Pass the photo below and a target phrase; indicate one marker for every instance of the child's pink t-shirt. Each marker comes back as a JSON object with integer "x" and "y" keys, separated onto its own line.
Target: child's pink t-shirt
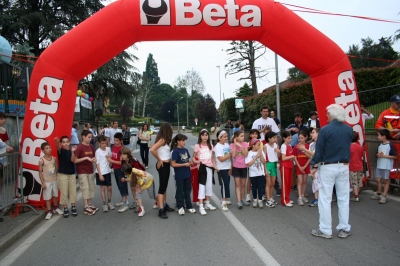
{"x": 239, "y": 160}
{"x": 204, "y": 154}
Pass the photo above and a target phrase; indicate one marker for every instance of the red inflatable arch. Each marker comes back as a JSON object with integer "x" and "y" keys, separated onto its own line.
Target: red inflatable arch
{"x": 51, "y": 99}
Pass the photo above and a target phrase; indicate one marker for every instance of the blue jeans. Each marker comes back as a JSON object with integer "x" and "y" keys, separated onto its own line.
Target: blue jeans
{"x": 257, "y": 186}
{"x": 183, "y": 190}
{"x": 122, "y": 186}
{"x": 334, "y": 175}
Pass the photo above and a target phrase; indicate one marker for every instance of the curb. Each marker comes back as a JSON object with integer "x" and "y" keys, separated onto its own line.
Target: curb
{"x": 10, "y": 238}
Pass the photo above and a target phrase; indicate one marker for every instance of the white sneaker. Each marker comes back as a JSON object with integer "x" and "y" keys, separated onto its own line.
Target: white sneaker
{"x": 305, "y": 200}
{"x": 48, "y": 215}
{"x": 119, "y": 204}
{"x": 155, "y": 206}
{"x": 141, "y": 211}
{"x": 228, "y": 202}
{"x": 255, "y": 203}
{"x": 192, "y": 210}
{"x": 123, "y": 208}
{"x": 248, "y": 199}
{"x": 289, "y": 205}
{"x": 208, "y": 206}
{"x": 300, "y": 202}
{"x": 57, "y": 211}
{"x": 224, "y": 208}
{"x": 105, "y": 208}
{"x": 260, "y": 204}
{"x": 181, "y": 211}
{"x": 198, "y": 204}
{"x": 202, "y": 211}
{"x": 111, "y": 206}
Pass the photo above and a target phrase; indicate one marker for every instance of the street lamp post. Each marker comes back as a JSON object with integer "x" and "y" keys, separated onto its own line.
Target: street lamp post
{"x": 219, "y": 75}
{"x": 177, "y": 110}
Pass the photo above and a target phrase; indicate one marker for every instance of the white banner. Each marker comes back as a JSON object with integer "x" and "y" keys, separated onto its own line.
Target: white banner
{"x": 86, "y": 103}
{"x": 77, "y": 105}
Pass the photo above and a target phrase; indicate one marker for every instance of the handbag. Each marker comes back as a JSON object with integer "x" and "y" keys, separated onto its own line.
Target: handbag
{"x": 138, "y": 139}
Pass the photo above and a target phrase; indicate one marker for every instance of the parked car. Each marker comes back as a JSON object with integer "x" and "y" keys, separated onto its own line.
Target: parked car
{"x": 154, "y": 130}
{"x": 134, "y": 131}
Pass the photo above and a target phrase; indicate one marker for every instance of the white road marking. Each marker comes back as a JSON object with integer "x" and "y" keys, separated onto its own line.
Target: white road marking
{"x": 264, "y": 255}
{"x": 18, "y": 251}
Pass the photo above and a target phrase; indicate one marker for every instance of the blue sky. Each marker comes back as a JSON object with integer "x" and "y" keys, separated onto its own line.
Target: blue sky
{"x": 175, "y": 58}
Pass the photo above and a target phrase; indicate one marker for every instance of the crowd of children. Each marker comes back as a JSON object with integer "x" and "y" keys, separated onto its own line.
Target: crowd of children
{"x": 255, "y": 161}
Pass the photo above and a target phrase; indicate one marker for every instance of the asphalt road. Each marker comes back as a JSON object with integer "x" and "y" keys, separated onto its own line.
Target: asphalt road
{"x": 278, "y": 236}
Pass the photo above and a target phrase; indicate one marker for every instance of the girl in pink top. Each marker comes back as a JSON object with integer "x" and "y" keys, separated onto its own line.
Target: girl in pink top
{"x": 204, "y": 151}
{"x": 239, "y": 151}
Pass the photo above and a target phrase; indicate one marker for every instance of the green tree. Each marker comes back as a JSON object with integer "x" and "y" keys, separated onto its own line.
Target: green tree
{"x": 151, "y": 72}
{"x": 205, "y": 109}
{"x": 243, "y": 56}
{"x": 296, "y": 74}
{"x": 244, "y": 91}
{"x": 156, "y": 104}
{"x": 124, "y": 112}
{"x": 39, "y": 23}
{"x": 364, "y": 57}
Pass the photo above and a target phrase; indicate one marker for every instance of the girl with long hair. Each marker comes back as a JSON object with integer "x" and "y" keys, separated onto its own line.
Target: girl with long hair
{"x": 145, "y": 137}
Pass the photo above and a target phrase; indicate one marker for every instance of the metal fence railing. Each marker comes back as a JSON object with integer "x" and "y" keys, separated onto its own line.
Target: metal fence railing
{"x": 11, "y": 180}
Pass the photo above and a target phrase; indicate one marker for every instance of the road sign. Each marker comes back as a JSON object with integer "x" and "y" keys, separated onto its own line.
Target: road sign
{"x": 239, "y": 103}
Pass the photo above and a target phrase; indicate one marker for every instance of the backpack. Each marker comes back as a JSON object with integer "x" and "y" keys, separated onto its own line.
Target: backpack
{"x": 136, "y": 164}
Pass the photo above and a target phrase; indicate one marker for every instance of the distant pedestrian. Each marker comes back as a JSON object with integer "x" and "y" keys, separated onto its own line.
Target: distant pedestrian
{"x": 313, "y": 121}
{"x": 126, "y": 140}
{"x": 213, "y": 134}
{"x": 265, "y": 123}
{"x": 145, "y": 137}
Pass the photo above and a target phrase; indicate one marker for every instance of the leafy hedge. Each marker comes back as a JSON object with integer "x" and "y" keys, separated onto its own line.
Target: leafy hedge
{"x": 299, "y": 97}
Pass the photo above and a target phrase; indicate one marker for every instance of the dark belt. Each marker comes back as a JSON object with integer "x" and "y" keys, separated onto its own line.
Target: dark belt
{"x": 325, "y": 163}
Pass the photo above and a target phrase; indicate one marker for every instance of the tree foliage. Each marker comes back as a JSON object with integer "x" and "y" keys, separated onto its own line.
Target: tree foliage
{"x": 205, "y": 109}
{"x": 39, "y": 23}
{"x": 369, "y": 50}
{"x": 296, "y": 74}
{"x": 124, "y": 112}
{"x": 244, "y": 91}
{"x": 243, "y": 56}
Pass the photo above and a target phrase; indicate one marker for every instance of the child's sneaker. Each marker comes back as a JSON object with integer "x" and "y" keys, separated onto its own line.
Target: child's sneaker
{"x": 198, "y": 204}
{"x": 57, "y": 211}
{"x": 355, "y": 198}
{"x": 123, "y": 208}
{"x": 248, "y": 199}
{"x": 94, "y": 209}
{"x": 111, "y": 206}
{"x": 240, "y": 205}
{"x": 245, "y": 203}
{"x": 255, "y": 203}
{"x": 376, "y": 196}
{"x": 383, "y": 200}
{"x": 264, "y": 198}
{"x": 305, "y": 200}
{"x": 208, "y": 206}
{"x": 273, "y": 201}
{"x": 192, "y": 210}
{"x": 228, "y": 202}
{"x": 48, "y": 215}
{"x": 224, "y": 207}
{"x": 119, "y": 204}
{"x": 105, "y": 208}
{"x": 66, "y": 212}
{"x": 270, "y": 204}
{"x": 300, "y": 202}
{"x": 181, "y": 211}
{"x": 74, "y": 211}
{"x": 133, "y": 205}
{"x": 314, "y": 203}
{"x": 88, "y": 211}
{"x": 141, "y": 211}
{"x": 202, "y": 211}
{"x": 260, "y": 204}
{"x": 168, "y": 208}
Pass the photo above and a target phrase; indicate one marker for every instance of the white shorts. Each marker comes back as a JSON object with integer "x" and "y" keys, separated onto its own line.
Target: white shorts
{"x": 50, "y": 191}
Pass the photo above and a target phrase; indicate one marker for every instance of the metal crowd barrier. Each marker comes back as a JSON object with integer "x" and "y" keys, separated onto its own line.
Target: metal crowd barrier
{"x": 11, "y": 181}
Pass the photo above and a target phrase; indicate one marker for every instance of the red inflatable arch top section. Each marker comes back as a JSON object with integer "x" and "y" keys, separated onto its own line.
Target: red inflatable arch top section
{"x": 52, "y": 92}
